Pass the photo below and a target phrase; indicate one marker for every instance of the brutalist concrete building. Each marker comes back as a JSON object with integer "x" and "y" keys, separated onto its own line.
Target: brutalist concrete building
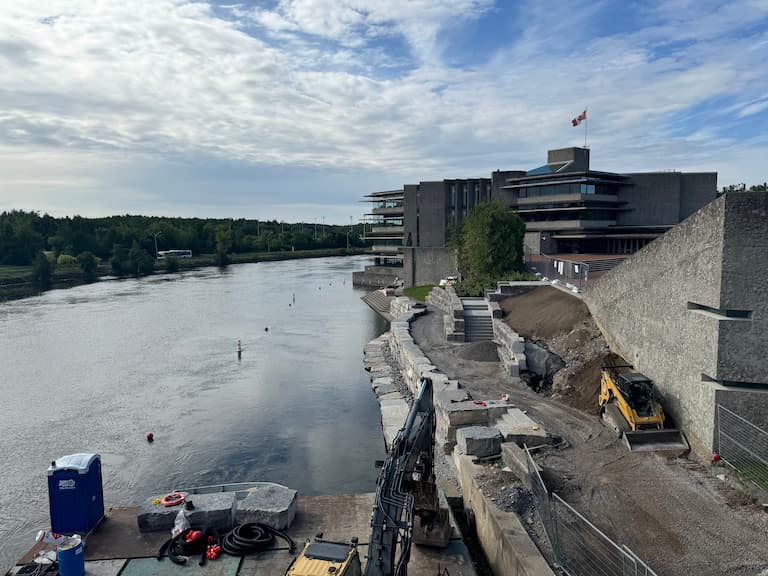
{"x": 568, "y": 208}
{"x": 690, "y": 310}
{"x": 433, "y": 210}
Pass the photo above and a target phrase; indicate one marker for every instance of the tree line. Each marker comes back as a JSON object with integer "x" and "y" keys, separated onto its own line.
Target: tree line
{"x": 129, "y": 242}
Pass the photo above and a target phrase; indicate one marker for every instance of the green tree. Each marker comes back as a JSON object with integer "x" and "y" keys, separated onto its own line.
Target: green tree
{"x": 223, "y": 244}
{"x": 88, "y": 264}
{"x": 489, "y": 245}
{"x": 141, "y": 262}
{"x": 119, "y": 260}
{"x": 42, "y": 271}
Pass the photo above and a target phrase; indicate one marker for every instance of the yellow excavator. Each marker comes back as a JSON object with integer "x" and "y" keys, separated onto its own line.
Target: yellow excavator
{"x": 631, "y": 405}
{"x": 407, "y": 507}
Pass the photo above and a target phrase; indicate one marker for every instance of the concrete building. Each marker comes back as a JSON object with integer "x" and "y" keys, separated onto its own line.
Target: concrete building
{"x": 568, "y": 208}
{"x": 433, "y": 210}
{"x": 384, "y": 228}
{"x": 690, "y": 310}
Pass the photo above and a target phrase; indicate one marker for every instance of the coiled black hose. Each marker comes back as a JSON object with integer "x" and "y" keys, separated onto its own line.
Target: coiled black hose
{"x": 253, "y": 537}
{"x": 179, "y": 549}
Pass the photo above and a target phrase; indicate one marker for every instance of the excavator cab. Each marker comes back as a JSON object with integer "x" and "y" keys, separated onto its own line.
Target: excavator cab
{"x": 326, "y": 557}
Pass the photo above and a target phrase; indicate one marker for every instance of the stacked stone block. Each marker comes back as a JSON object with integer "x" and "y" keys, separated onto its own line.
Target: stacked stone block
{"x": 399, "y": 306}
{"x": 446, "y": 300}
{"x": 511, "y": 348}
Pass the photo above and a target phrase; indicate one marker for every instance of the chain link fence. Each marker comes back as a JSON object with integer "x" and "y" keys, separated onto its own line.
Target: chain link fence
{"x": 579, "y": 548}
{"x": 744, "y": 446}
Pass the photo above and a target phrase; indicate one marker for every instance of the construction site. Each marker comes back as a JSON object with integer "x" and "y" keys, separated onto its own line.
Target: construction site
{"x": 622, "y": 429}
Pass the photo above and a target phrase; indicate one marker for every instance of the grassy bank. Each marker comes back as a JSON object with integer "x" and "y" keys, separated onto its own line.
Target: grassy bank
{"x": 16, "y": 281}
{"x": 418, "y": 292}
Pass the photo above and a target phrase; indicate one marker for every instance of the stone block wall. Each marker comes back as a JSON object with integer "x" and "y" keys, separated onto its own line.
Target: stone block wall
{"x": 454, "y": 407}
{"x": 448, "y": 301}
{"x": 399, "y": 306}
{"x": 511, "y": 348}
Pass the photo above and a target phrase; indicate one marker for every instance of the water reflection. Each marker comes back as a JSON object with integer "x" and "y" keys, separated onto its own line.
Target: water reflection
{"x": 95, "y": 367}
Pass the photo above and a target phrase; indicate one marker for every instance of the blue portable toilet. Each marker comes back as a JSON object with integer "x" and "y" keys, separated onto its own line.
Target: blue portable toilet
{"x": 75, "y": 493}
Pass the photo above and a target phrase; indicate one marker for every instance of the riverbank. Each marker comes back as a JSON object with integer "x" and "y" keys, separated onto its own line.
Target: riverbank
{"x": 16, "y": 281}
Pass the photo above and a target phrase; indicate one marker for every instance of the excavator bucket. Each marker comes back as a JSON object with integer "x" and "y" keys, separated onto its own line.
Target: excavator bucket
{"x": 671, "y": 442}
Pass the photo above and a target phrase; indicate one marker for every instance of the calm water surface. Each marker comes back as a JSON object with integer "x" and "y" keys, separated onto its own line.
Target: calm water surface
{"x": 93, "y": 368}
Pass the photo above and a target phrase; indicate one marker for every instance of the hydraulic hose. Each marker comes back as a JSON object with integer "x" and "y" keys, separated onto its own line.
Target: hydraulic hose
{"x": 253, "y": 537}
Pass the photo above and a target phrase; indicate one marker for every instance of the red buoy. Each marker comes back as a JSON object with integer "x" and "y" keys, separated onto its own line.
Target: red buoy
{"x": 150, "y": 437}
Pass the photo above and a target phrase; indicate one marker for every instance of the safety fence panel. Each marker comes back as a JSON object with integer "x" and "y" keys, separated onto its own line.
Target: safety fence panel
{"x": 589, "y": 552}
{"x": 744, "y": 446}
{"x": 566, "y": 271}
{"x": 544, "y": 506}
{"x": 579, "y": 547}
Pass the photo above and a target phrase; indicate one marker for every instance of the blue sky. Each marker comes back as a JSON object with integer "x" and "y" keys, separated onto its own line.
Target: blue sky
{"x": 294, "y": 109}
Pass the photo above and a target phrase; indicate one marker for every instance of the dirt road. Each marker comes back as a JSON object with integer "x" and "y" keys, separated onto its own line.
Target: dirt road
{"x": 675, "y": 514}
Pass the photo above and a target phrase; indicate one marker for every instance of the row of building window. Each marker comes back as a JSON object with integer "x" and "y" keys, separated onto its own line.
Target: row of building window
{"x": 567, "y": 215}
{"x": 477, "y": 191}
{"x": 556, "y": 189}
{"x": 389, "y": 204}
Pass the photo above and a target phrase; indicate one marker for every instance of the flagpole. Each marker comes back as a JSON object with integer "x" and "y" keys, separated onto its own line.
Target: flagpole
{"x": 586, "y": 119}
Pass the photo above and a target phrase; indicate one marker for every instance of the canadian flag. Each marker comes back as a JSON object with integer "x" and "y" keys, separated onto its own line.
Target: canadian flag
{"x": 579, "y": 119}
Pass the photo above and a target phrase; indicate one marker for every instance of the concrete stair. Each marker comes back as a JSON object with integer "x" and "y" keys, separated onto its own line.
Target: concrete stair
{"x": 478, "y": 322}
{"x": 379, "y": 302}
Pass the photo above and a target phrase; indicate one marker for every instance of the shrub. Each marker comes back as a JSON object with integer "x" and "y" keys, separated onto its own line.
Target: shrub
{"x": 66, "y": 260}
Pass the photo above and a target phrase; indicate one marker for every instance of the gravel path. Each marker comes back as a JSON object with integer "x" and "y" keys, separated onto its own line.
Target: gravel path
{"x": 675, "y": 514}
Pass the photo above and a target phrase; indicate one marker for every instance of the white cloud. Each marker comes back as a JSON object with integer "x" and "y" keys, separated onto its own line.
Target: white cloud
{"x": 311, "y": 83}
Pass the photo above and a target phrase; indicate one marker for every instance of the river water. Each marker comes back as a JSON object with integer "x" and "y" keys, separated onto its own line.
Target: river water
{"x": 94, "y": 368}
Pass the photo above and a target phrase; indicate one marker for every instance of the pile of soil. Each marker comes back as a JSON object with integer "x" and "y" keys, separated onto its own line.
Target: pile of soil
{"x": 479, "y": 352}
{"x": 563, "y": 325}
{"x": 544, "y": 313}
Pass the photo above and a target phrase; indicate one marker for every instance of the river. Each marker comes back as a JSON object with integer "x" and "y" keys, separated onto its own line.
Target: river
{"x": 96, "y": 367}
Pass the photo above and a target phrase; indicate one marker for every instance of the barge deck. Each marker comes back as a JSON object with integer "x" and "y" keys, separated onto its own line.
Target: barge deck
{"x": 117, "y": 548}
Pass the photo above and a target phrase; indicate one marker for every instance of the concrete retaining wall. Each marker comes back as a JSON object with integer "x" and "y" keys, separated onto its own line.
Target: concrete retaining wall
{"x": 505, "y": 542}
{"x": 507, "y": 289}
{"x": 448, "y": 301}
{"x": 664, "y": 310}
{"x": 374, "y": 278}
{"x": 511, "y": 348}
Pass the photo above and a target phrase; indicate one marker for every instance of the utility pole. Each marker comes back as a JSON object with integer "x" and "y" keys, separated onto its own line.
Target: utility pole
{"x": 315, "y": 228}
{"x": 156, "y": 235}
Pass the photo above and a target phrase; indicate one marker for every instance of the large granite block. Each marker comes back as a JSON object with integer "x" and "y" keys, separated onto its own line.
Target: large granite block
{"x": 272, "y": 504}
{"x": 154, "y": 517}
{"x": 480, "y": 441}
{"x": 467, "y": 412}
{"x": 217, "y": 511}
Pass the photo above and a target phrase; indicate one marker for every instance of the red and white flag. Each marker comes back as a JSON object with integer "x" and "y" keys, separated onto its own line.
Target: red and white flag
{"x": 579, "y": 119}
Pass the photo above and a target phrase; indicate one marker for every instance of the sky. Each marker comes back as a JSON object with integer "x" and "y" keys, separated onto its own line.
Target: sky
{"x": 294, "y": 109}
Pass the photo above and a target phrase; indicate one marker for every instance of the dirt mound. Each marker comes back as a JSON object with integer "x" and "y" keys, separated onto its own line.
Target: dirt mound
{"x": 479, "y": 352}
{"x": 581, "y": 387}
{"x": 544, "y": 313}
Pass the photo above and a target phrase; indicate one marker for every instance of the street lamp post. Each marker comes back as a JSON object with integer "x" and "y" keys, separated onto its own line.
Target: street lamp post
{"x": 156, "y": 235}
